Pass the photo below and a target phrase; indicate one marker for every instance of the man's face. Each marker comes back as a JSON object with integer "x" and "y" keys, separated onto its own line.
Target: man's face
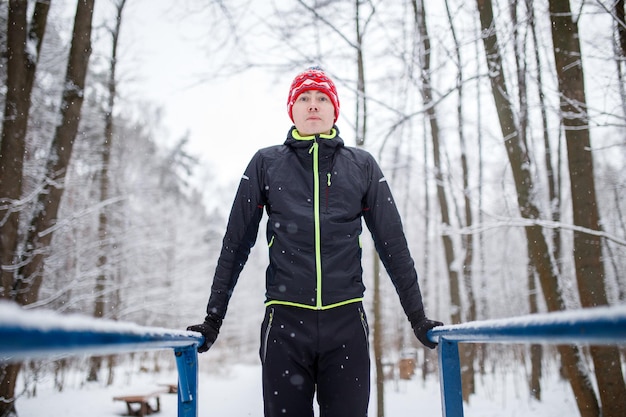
{"x": 313, "y": 113}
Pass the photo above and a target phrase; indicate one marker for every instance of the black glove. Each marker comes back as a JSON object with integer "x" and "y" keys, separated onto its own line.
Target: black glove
{"x": 209, "y": 329}
{"x": 421, "y": 325}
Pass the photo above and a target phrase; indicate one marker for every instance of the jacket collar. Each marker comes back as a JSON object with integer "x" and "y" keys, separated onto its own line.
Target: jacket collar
{"x": 296, "y": 141}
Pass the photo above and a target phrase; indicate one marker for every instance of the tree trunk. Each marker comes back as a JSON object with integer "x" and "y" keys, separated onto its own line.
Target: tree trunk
{"x": 480, "y": 348}
{"x": 468, "y": 350}
{"x": 40, "y": 231}
{"x": 8, "y": 379}
{"x": 536, "y": 351}
{"x": 620, "y": 26}
{"x": 103, "y": 278}
{"x": 423, "y": 42}
{"x": 13, "y": 144}
{"x": 361, "y": 101}
{"x": 520, "y": 52}
{"x": 426, "y": 91}
{"x": 620, "y": 46}
{"x": 554, "y": 189}
{"x": 537, "y": 244}
{"x": 361, "y": 133}
{"x": 378, "y": 341}
{"x": 21, "y": 67}
{"x": 587, "y": 247}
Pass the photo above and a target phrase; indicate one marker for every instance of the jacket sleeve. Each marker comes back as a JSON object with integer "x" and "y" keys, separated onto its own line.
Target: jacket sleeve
{"x": 240, "y": 237}
{"x": 383, "y": 221}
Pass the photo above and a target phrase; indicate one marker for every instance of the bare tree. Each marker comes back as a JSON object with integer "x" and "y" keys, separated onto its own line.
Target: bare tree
{"x": 520, "y": 162}
{"x": 361, "y": 99}
{"x": 590, "y": 272}
{"x": 467, "y": 351}
{"x": 104, "y": 269}
{"x": 620, "y": 26}
{"x": 430, "y": 110}
{"x": 45, "y": 215}
{"x": 520, "y": 56}
{"x": 426, "y": 90}
{"x": 29, "y": 276}
{"x": 620, "y": 46}
{"x": 21, "y": 67}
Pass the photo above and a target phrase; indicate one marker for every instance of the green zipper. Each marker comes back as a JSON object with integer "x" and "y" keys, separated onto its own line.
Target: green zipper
{"x": 314, "y": 151}
{"x": 316, "y": 207}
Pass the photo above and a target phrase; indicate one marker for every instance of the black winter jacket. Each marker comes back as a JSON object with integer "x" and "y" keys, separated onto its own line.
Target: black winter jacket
{"x": 315, "y": 191}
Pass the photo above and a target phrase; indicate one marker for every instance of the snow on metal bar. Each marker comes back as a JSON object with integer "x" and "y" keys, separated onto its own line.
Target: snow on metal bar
{"x": 600, "y": 325}
{"x": 36, "y": 334}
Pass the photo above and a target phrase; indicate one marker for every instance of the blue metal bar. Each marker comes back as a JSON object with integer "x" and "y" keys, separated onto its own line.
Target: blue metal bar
{"x": 187, "y": 363}
{"x": 450, "y": 384}
{"x": 19, "y": 343}
{"x": 34, "y": 334}
{"x": 602, "y": 325}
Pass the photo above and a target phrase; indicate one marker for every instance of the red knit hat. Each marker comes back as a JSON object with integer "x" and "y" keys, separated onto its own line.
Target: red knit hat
{"x": 313, "y": 78}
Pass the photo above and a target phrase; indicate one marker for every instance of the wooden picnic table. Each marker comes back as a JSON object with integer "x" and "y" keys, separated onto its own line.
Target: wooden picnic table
{"x": 143, "y": 401}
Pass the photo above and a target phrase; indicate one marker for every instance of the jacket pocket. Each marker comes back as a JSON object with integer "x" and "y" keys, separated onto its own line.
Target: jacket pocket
{"x": 266, "y": 334}
{"x": 366, "y": 329}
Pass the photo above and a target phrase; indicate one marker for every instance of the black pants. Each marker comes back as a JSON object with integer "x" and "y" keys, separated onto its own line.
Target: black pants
{"x": 304, "y": 351}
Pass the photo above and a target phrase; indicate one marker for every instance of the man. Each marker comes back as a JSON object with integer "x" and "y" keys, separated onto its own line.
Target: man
{"x": 316, "y": 191}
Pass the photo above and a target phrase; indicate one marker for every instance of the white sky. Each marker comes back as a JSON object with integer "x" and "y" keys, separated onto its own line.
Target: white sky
{"x": 227, "y": 120}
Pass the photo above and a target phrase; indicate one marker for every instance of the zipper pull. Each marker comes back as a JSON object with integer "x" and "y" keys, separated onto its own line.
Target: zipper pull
{"x": 328, "y": 177}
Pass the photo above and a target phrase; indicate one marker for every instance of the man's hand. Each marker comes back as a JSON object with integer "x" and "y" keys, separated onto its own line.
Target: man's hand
{"x": 209, "y": 329}
{"x": 421, "y": 325}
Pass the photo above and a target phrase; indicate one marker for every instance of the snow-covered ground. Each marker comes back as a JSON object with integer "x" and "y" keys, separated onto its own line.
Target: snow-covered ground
{"x": 236, "y": 392}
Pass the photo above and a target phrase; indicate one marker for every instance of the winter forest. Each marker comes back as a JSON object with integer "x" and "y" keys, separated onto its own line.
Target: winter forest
{"x": 500, "y": 125}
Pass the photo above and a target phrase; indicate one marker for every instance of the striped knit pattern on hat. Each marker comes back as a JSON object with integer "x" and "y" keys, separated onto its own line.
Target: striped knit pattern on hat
{"x": 313, "y": 78}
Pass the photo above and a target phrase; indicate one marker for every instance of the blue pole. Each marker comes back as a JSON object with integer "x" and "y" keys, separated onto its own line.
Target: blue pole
{"x": 450, "y": 378}
{"x": 187, "y": 363}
